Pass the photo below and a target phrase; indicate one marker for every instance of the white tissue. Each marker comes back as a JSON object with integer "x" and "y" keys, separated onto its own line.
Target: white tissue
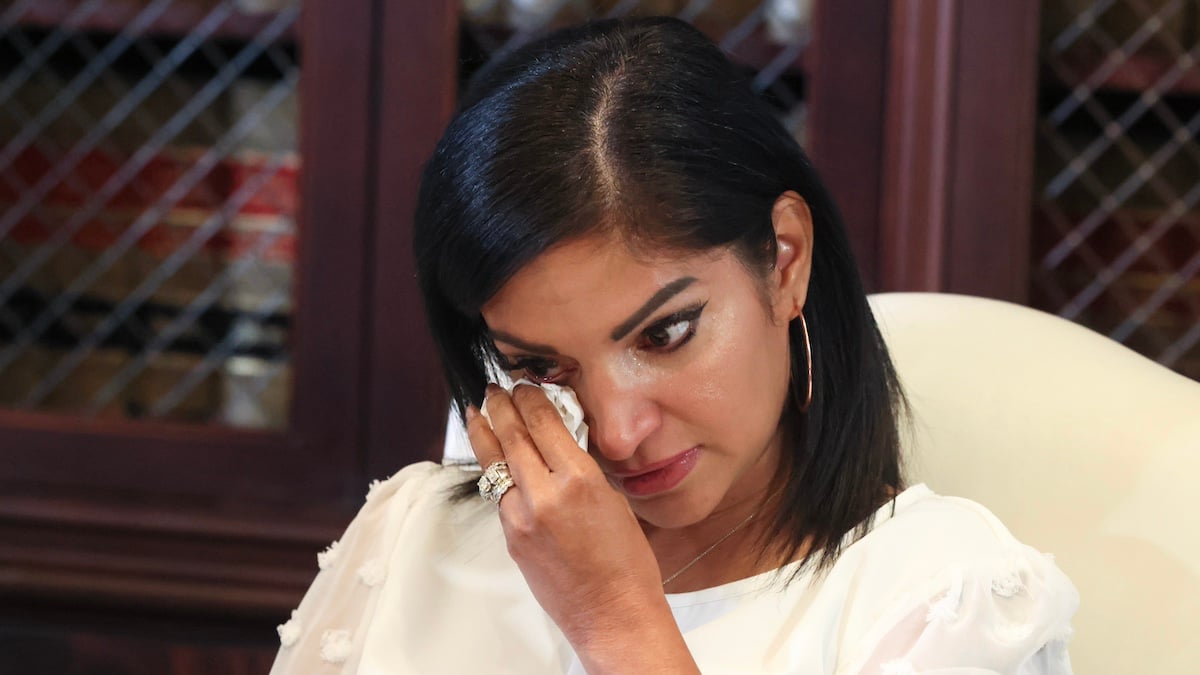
{"x": 564, "y": 401}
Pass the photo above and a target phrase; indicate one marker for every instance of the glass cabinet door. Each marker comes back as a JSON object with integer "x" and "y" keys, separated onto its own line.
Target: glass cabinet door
{"x": 192, "y": 201}
{"x": 183, "y": 190}
{"x": 1116, "y": 216}
{"x": 148, "y": 194}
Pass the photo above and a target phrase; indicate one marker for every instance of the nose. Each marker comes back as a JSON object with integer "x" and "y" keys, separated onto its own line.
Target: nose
{"x": 621, "y": 413}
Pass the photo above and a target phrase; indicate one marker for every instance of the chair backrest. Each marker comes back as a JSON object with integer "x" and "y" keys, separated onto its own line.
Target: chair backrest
{"x": 1082, "y": 447}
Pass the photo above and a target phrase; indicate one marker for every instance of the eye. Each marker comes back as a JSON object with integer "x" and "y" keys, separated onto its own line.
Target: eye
{"x": 666, "y": 337}
{"x": 672, "y": 332}
{"x": 537, "y": 369}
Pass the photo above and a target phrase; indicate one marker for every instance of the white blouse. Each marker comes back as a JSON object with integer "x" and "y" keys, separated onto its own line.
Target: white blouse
{"x": 423, "y": 584}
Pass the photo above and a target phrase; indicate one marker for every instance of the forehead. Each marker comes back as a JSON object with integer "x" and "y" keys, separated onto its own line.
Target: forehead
{"x": 594, "y": 279}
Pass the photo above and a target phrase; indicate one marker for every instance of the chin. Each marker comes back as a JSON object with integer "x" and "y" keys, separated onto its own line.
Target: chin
{"x": 672, "y": 510}
{"x": 667, "y": 521}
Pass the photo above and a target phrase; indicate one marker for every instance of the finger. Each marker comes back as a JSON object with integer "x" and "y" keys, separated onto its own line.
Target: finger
{"x": 545, "y": 426}
{"x": 524, "y": 457}
{"x": 484, "y": 443}
{"x": 486, "y": 446}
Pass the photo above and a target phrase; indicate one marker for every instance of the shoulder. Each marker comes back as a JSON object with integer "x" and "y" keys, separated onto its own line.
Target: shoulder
{"x": 411, "y": 492}
{"x": 944, "y": 572}
{"x": 326, "y": 631}
{"x": 417, "y": 480}
{"x": 921, "y": 527}
{"x": 418, "y": 483}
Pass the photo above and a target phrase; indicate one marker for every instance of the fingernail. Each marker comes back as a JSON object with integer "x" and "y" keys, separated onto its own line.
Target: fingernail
{"x": 472, "y": 413}
{"x": 527, "y": 385}
{"x": 492, "y": 388}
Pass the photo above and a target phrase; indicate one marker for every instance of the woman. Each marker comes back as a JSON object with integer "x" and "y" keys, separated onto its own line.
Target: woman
{"x": 612, "y": 211}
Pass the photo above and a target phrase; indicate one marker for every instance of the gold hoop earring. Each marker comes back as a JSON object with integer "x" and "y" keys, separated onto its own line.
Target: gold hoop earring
{"x": 809, "y": 361}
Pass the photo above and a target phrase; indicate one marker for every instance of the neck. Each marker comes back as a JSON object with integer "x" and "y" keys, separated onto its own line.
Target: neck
{"x": 733, "y": 542}
{"x": 723, "y": 558}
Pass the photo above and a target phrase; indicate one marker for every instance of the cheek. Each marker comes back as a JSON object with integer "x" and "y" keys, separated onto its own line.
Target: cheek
{"x": 740, "y": 379}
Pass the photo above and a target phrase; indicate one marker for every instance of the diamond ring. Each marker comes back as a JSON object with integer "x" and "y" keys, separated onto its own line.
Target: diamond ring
{"x": 495, "y": 481}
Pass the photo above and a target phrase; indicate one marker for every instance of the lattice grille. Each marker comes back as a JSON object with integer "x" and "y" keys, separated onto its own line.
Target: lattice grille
{"x": 1117, "y": 220}
{"x": 147, "y": 204}
{"x": 766, "y": 36}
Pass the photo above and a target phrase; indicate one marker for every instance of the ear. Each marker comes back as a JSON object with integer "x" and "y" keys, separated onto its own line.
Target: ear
{"x": 793, "y": 262}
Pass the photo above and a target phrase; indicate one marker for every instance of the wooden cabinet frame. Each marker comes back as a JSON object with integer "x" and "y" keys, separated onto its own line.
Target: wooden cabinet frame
{"x": 958, "y": 150}
{"x": 156, "y": 515}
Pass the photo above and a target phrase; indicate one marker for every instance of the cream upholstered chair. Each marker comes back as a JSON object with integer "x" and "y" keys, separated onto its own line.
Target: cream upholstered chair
{"x": 1082, "y": 447}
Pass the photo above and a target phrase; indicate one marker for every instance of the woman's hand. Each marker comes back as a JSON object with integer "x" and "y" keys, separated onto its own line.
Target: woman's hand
{"x": 575, "y": 539}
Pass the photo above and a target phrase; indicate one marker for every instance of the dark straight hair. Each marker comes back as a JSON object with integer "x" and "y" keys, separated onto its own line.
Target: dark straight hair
{"x": 643, "y": 129}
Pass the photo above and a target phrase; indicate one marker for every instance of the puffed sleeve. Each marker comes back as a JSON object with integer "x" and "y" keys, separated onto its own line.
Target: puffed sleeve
{"x": 324, "y": 634}
{"x": 1007, "y": 613}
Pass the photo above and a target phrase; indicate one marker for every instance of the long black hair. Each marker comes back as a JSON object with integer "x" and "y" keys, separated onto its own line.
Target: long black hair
{"x": 644, "y": 129}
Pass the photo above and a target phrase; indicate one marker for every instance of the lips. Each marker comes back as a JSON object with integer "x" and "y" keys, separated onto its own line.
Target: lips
{"x": 658, "y": 477}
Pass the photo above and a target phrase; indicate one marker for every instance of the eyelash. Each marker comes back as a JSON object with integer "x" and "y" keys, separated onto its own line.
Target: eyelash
{"x": 526, "y": 364}
{"x": 688, "y": 315}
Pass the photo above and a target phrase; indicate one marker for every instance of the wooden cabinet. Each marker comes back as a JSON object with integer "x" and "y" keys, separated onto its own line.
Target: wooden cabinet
{"x": 157, "y": 532}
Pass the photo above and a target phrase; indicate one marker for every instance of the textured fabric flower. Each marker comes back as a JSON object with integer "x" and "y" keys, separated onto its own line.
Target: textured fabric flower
{"x": 564, "y": 401}
{"x": 373, "y": 489}
{"x": 372, "y": 572}
{"x": 336, "y": 646}
{"x": 1007, "y": 584}
{"x": 290, "y": 631}
{"x": 946, "y": 609}
{"x": 326, "y": 558}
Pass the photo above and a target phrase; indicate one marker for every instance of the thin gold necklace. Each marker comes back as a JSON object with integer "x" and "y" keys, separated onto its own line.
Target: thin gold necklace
{"x": 714, "y": 545}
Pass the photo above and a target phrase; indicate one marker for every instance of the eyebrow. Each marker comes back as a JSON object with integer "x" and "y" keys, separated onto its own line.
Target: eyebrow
{"x": 657, "y": 300}
{"x": 521, "y": 344}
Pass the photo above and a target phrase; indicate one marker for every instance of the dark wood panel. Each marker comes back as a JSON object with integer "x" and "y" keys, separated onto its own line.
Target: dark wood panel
{"x": 138, "y": 553}
{"x": 916, "y": 162}
{"x": 335, "y": 108}
{"x": 61, "y": 451}
{"x": 959, "y": 148}
{"x": 48, "y": 639}
{"x": 996, "y": 104}
{"x": 849, "y": 68}
{"x": 406, "y": 395}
